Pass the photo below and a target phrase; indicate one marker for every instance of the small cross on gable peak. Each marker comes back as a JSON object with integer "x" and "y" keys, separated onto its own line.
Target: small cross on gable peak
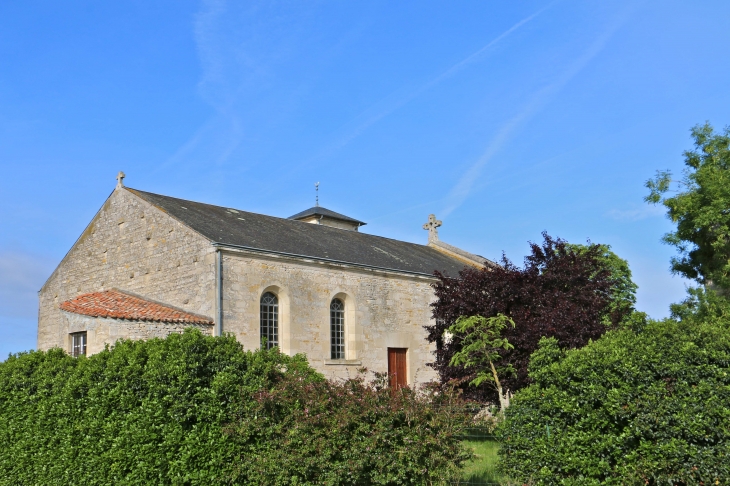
{"x": 432, "y": 227}
{"x": 120, "y": 179}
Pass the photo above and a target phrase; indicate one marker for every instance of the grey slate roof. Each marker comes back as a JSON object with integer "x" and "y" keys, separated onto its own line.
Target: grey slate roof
{"x": 320, "y": 211}
{"x": 234, "y": 227}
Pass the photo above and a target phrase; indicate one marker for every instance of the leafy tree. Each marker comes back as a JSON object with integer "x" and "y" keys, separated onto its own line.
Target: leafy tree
{"x": 700, "y": 207}
{"x": 702, "y": 305}
{"x": 623, "y": 293}
{"x": 633, "y": 407}
{"x": 481, "y": 341}
{"x": 562, "y": 291}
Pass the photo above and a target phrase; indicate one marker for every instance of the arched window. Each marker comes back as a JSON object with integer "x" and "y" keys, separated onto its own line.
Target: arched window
{"x": 337, "y": 329}
{"x": 269, "y": 320}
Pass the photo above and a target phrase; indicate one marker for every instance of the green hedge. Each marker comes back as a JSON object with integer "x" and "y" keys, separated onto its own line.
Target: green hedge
{"x": 144, "y": 412}
{"x": 647, "y": 406}
{"x": 198, "y": 410}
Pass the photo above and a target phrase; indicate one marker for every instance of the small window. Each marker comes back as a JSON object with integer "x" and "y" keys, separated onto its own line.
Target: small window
{"x": 78, "y": 344}
{"x": 337, "y": 329}
{"x": 269, "y": 320}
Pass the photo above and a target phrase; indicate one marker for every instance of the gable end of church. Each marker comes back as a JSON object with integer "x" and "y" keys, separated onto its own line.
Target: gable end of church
{"x": 134, "y": 246}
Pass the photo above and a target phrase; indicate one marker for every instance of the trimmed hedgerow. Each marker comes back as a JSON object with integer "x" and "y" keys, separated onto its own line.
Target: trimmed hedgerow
{"x": 192, "y": 409}
{"x": 143, "y": 412}
{"x": 349, "y": 432}
{"x": 643, "y": 406}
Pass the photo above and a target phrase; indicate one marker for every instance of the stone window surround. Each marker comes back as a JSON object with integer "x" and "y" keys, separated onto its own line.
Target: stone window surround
{"x": 78, "y": 343}
{"x": 337, "y": 329}
{"x": 269, "y": 321}
{"x": 351, "y": 329}
{"x": 285, "y": 337}
{"x": 284, "y": 316}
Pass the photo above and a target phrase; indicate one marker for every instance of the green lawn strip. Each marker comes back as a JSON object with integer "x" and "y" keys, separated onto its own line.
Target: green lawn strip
{"x": 482, "y": 469}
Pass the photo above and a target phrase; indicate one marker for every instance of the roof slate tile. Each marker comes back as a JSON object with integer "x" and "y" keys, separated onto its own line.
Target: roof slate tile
{"x": 237, "y": 228}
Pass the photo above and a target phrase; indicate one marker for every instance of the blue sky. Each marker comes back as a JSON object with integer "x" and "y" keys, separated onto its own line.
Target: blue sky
{"x": 503, "y": 118}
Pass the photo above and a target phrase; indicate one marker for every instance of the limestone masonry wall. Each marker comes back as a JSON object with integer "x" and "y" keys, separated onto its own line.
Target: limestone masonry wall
{"x": 133, "y": 246}
{"x": 381, "y": 310}
{"x": 101, "y": 331}
{"x": 136, "y": 247}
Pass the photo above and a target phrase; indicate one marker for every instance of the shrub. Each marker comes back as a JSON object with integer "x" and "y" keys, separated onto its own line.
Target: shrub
{"x": 351, "y": 432}
{"x": 143, "y": 412}
{"x": 644, "y": 406}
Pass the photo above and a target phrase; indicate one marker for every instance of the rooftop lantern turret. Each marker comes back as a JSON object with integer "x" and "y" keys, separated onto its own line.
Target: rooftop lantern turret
{"x": 326, "y": 217}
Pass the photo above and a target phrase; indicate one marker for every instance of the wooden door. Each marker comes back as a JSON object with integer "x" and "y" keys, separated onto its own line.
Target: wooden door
{"x": 397, "y": 369}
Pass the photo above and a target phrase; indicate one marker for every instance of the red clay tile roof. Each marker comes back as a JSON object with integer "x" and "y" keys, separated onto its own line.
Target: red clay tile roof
{"x": 120, "y": 305}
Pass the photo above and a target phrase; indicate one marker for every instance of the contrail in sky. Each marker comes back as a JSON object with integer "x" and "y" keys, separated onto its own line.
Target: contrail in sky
{"x": 463, "y": 188}
{"x": 224, "y": 130}
{"x": 221, "y": 134}
{"x": 430, "y": 84}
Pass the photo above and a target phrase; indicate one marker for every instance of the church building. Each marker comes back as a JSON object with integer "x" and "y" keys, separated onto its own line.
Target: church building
{"x": 149, "y": 265}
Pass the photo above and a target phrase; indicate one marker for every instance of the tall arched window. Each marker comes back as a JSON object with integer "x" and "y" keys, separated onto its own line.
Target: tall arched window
{"x": 337, "y": 329}
{"x": 269, "y": 320}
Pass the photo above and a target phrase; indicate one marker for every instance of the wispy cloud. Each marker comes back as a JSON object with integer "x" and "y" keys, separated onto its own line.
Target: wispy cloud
{"x": 388, "y": 105}
{"x": 649, "y": 211}
{"x": 463, "y": 188}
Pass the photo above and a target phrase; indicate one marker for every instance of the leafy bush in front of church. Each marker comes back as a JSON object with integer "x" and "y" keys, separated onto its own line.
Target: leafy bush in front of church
{"x": 649, "y": 405}
{"x": 349, "y": 432}
{"x": 197, "y": 410}
{"x": 143, "y": 412}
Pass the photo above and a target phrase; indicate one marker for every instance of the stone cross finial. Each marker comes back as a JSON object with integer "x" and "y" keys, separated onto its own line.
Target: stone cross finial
{"x": 120, "y": 179}
{"x": 431, "y": 226}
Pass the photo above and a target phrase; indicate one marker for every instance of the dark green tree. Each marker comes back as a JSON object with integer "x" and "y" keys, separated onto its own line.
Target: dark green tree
{"x": 700, "y": 207}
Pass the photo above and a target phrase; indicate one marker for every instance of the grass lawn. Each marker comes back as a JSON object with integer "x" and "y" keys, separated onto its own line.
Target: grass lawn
{"x": 481, "y": 470}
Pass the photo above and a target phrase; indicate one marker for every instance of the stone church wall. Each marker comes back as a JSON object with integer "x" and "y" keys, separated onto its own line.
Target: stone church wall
{"x": 381, "y": 310}
{"x": 102, "y": 331}
{"x": 132, "y": 246}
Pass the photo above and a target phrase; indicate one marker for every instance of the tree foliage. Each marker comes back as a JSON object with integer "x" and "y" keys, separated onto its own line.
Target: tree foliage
{"x": 647, "y": 407}
{"x": 562, "y": 291}
{"x": 623, "y": 288}
{"x": 702, "y": 305}
{"x": 700, "y": 207}
{"x": 481, "y": 340}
